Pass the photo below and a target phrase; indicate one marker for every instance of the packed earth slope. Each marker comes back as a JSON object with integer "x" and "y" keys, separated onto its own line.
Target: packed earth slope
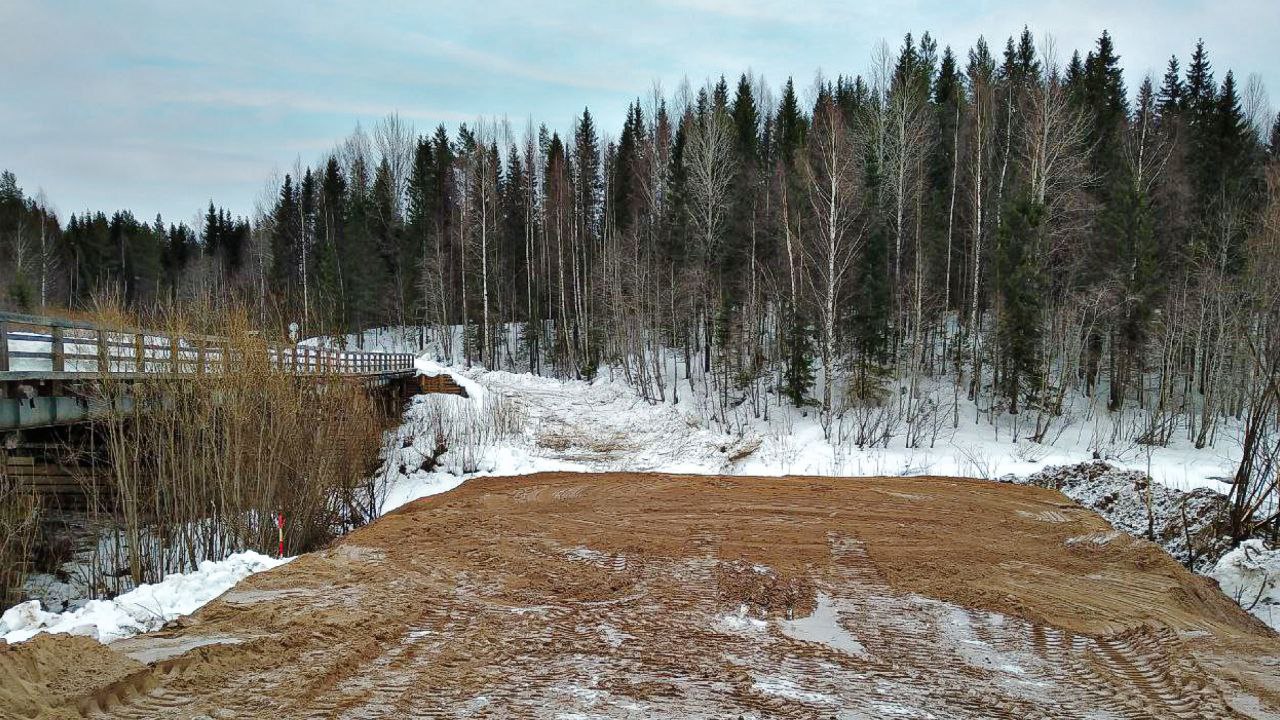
{"x": 644, "y": 595}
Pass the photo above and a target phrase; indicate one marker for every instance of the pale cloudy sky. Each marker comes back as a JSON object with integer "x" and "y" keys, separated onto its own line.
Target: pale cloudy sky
{"x": 160, "y": 106}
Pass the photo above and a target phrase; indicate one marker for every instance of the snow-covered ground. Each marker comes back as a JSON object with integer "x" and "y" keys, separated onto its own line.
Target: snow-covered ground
{"x": 604, "y": 425}
{"x": 959, "y": 438}
{"x": 143, "y": 609}
{"x": 1250, "y": 575}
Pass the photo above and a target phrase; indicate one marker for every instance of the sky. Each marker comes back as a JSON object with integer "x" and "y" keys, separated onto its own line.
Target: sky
{"x": 158, "y": 107}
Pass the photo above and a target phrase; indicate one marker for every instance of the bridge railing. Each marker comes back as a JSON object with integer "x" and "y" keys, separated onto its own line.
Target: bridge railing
{"x": 40, "y": 345}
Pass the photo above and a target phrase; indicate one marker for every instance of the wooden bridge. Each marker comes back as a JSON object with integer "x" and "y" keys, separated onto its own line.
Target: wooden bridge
{"x": 52, "y": 370}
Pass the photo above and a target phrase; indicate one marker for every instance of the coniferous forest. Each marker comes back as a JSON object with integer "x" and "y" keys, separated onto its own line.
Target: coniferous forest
{"x": 1025, "y": 223}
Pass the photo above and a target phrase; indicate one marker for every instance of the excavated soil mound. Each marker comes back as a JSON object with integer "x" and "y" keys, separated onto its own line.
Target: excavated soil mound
{"x": 48, "y": 676}
{"x": 625, "y": 595}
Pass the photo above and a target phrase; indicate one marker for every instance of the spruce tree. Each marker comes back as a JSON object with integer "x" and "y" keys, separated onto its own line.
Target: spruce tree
{"x": 734, "y": 262}
{"x": 1105, "y": 103}
{"x": 798, "y": 372}
{"x": 1231, "y": 179}
{"x": 1171, "y": 99}
{"x": 624, "y": 171}
{"x": 587, "y": 186}
{"x": 944, "y": 171}
{"x": 791, "y": 125}
{"x": 872, "y": 295}
{"x": 1273, "y": 144}
{"x": 1022, "y": 291}
{"x": 1200, "y": 90}
{"x": 1073, "y": 79}
{"x": 358, "y": 253}
{"x": 284, "y": 244}
{"x": 330, "y": 228}
{"x": 212, "y": 232}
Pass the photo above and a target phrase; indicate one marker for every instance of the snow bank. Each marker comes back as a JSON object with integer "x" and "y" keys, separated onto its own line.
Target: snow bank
{"x": 143, "y": 609}
{"x": 1250, "y": 575}
{"x": 431, "y": 368}
{"x": 604, "y": 425}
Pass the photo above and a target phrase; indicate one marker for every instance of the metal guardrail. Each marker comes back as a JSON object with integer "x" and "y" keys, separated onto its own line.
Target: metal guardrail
{"x": 33, "y": 347}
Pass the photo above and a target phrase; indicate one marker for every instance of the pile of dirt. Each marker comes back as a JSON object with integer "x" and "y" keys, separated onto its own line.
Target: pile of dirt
{"x": 632, "y": 595}
{"x": 50, "y": 676}
{"x": 1188, "y": 525}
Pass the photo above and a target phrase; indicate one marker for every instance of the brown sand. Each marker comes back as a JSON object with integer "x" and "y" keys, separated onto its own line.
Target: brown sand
{"x": 625, "y": 595}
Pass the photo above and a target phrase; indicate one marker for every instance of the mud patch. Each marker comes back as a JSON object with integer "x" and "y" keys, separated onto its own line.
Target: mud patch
{"x": 763, "y": 592}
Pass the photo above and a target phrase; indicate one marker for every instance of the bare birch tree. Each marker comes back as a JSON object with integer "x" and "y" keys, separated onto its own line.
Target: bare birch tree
{"x": 831, "y": 171}
{"x": 709, "y": 163}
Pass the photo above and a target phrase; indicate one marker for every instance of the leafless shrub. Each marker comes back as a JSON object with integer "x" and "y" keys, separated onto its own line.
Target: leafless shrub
{"x": 19, "y": 521}
{"x": 869, "y": 420}
{"x": 919, "y": 414}
{"x": 977, "y": 462}
{"x": 200, "y": 466}
{"x": 1031, "y": 452}
{"x": 470, "y": 430}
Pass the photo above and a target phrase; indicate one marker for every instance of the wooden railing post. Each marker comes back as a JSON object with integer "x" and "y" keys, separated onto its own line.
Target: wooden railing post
{"x": 104, "y": 357}
{"x": 4, "y": 346}
{"x": 139, "y": 353}
{"x": 200, "y": 356}
{"x": 174, "y": 356}
{"x": 59, "y": 350}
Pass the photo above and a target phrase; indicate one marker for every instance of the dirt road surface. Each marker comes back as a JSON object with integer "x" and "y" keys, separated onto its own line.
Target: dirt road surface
{"x": 636, "y": 596}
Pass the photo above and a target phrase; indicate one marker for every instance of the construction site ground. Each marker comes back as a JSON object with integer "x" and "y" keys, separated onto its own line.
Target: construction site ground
{"x": 628, "y": 595}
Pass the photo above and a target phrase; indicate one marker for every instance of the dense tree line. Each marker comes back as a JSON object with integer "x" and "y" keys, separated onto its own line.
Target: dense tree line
{"x": 1023, "y": 227}
{"x": 96, "y": 257}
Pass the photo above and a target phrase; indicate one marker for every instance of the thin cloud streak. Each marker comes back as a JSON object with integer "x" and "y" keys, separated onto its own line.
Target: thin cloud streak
{"x": 310, "y": 103}
{"x": 219, "y": 101}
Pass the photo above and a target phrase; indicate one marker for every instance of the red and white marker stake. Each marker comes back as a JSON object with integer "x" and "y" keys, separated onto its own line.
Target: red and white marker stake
{"x": 280, "y": 527}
